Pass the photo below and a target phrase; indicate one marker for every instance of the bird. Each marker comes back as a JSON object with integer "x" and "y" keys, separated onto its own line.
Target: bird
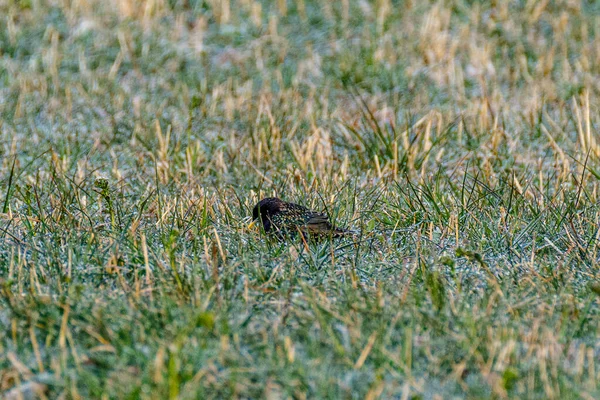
{"x": 286, "y": 220}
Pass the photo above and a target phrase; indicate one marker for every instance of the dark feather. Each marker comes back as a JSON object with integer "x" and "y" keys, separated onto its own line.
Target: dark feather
{"x": 287, "y": 219}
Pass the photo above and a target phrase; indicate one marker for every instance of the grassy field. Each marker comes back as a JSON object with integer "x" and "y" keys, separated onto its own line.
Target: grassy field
{"x": 458, "y": 137}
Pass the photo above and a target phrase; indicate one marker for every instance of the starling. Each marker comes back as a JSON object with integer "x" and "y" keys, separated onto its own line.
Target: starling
{"x": 287, "y": 219}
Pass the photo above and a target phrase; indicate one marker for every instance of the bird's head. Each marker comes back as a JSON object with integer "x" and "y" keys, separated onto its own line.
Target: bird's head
{"x": 266, "y": 209}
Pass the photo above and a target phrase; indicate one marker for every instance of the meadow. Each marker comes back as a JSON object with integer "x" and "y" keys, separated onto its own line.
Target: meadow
{"x": 458, "y": 138}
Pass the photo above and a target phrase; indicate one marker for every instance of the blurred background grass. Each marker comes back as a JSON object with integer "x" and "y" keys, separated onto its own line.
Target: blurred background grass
{"x": 458, "y": 136}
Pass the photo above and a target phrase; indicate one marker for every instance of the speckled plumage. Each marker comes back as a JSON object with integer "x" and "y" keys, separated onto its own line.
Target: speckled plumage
{"x": 288, "y": 219}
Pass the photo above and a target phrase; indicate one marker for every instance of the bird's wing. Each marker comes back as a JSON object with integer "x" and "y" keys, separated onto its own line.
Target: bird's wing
{"x": 316, "y": 223}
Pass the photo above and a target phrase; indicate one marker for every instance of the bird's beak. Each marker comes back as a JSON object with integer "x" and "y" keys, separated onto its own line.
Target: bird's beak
{"x": 252, "y": 224}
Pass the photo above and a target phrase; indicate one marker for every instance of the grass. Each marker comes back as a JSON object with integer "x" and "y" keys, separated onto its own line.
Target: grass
{"x": 458, "y": 137}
